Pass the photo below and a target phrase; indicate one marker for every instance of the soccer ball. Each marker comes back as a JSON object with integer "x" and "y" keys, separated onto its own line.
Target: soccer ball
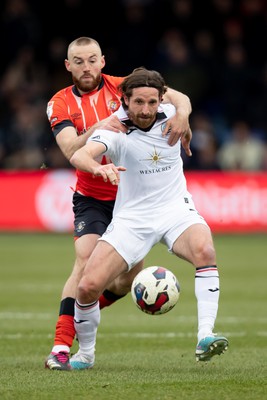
{"x": 155, "y": 290}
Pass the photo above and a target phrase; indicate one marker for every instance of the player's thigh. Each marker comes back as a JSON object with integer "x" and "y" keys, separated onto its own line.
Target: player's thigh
{"x": 195, "y": 245}
{"x": 104, "y": 265}
{"x": 84, "y": 247}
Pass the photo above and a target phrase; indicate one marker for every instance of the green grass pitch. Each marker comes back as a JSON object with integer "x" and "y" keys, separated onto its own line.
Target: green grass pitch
{"x": 138, "y": 356}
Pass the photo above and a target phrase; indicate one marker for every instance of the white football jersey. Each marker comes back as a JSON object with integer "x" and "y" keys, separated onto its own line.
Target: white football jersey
{"x": 154, "y": 177}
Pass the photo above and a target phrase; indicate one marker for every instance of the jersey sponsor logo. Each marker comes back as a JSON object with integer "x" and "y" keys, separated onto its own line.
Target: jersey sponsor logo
{"x": 154, "y": 157}
{"x": 49, "y": 109}
{"x": 154, "y": 170}
{"x": 76, "y": 116}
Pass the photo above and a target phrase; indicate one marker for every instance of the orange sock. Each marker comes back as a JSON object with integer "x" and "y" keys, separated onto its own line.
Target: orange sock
{"x": 65, "y": 332}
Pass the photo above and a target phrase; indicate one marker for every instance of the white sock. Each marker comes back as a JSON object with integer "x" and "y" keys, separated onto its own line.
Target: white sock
{"x": 86, "y": 321}
{"x": 60, "y": 347}
{"x": 207, "y": 292}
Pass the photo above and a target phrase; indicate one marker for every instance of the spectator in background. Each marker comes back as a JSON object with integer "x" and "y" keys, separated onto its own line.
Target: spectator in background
{"x": 19, "y": 28}
{"x": 216, "y": 55}
{"x": 135, "y": 42}
{"x": 175, "y": 60}
{"x": 264, "y": 158}
{"x": 204, "y": 144}
{"x": 25, "y": 137}
{"x": 258, "y": 102}
{"x": 242, "y": 151}
{"x": 206, "y": 58}
{"x": 25, "y": 74}
{"x": 22, "y": 90}
{"x": 234, "y": 82}
{"x": 253, "y": 13}
{"x": 56, "y": 53}
{"x": 2, "y": 148}
{"x": 182, "y": 16}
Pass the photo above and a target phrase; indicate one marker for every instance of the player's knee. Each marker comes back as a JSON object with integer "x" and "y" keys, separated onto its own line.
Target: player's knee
{"x": 205, "y": 254}
{"x": 88, "y": 291}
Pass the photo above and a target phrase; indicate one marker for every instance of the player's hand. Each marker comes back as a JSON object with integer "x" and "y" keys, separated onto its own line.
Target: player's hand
{"x": 110, "y": 172}
{"x": 186, "y": 140}
{"x": 111, "y": 123}
{"x": 175, "y": 127}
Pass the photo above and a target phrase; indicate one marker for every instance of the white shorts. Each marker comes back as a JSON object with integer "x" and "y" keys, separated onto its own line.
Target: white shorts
{"x": 133, "y": 236}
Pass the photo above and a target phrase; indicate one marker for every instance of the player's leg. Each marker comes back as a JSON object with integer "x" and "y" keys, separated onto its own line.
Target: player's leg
{"x": 120, "y": 286}
{"x": 58, "y": 359}
{"x": 91, "y": 219}
{"x": 104, "y": 265}
{"x": 195, "y": 245}
{"x": 114, "y": 254}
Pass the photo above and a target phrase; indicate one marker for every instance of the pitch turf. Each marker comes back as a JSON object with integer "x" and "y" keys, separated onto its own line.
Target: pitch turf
{"x": 138, "y": 356}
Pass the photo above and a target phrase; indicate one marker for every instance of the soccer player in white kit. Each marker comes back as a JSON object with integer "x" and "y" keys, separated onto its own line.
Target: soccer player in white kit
{"x": 152, "y": 205}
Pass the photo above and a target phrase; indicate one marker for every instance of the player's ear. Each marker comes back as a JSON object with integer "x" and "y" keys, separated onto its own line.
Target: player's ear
{"x": 126, "y": 100}
{"x": 103, "y": 61}
{"x": 67, "y": 65}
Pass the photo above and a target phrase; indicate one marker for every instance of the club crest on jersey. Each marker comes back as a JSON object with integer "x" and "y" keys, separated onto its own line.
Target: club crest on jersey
{"x": 80, "y": 226}
{"x": 163, "y": 126}
{"x": 113, "y": 105}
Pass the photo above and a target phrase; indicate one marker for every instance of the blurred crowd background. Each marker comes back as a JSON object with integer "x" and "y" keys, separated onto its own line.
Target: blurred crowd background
{"x": 215, "y": 51}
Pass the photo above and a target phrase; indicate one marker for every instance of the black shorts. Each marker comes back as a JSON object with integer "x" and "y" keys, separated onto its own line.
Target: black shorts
{"x": 91, "y": 215}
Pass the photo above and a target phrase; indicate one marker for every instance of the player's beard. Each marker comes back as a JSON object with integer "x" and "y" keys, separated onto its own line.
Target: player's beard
{"x": 86, "y": 86}
{"x": 142, "y": 121}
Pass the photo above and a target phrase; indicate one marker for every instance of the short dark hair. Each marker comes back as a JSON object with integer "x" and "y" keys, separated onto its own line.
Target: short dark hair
{"x": 83, "y": 41}
{"x": 142, "y": 77}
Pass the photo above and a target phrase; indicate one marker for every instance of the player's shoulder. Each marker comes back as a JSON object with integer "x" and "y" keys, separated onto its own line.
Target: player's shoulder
{"x": 166, "y": 110}
{"x": 113, "y": 80}
{"x": 62, "y": 93}
{"x": 105, "y": 136}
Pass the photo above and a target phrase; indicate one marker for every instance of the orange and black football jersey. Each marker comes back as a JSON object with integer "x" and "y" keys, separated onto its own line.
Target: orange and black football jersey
{"x": 68, "y": 108}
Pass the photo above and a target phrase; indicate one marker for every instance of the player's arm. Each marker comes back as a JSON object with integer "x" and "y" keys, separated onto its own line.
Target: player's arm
{"x": 68, "y": 140}
{"x": 178, "y": 125}
{"x": 84, "y": 159}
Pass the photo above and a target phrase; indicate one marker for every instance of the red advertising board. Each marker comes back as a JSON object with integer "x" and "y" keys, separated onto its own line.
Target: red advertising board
{"x": 231, "y": 201}
{"x": 42, "y": 200}
{"x": 36, "y": 201}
